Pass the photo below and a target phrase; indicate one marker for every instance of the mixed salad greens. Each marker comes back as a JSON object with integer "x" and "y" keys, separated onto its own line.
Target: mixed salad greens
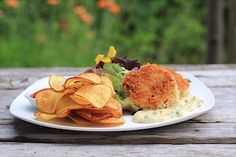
{"x": 115, "y": 68}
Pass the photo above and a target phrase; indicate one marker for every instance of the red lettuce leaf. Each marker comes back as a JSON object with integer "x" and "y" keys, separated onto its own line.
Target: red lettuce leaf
{"x": 126, "y": 63}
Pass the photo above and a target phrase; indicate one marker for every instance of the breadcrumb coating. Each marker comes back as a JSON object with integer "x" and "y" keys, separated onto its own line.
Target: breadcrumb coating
{"x": 153, "y": 86}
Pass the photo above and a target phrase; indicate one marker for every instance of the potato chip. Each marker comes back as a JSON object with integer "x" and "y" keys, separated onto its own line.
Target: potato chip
{"x": 90, "y": 78}
{"x": 111, "y": 121}
{"x": 45, "y": 116}
{"x": 95, "y": 110}
{"x": 91, "y": 116}
{"x": 86, "y": 99}
{"x": 113, "y": 104}
{"x": 57, "y": 82}
{"x": 111, "y": 109}
{"x": 108, "y": 122}
{"x": 47, "y": 99}
{"x": 80, "y": 121}
{"x": 80, "y": 100}
{"x": 66, "y": 104}
{"x": 73, "y": 82}
{"x": 97, "y": 95}
{"x": 108, "y": 82}
{"x": 114, "y": 107}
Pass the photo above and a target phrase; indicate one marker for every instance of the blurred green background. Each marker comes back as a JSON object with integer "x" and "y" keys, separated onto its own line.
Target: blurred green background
{"x": 41, "y": 33}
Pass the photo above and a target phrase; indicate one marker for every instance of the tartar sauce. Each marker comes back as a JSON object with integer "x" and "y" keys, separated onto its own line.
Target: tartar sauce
{"x": 184, "y": 105}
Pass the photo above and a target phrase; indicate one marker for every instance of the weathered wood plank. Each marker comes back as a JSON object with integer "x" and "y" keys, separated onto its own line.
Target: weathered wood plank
{"x": 182, "y": 133}
{"x": 21, "y": 82}
{"x": 223, "y": 111}
{"x": 23, "y": 77}
{"x": 201, "y": 67}
{"x": 16, "y": 130}
{"x": 216, "y": 126}
{"x": 65, "y": 150}
{"x": 19, "y": 78}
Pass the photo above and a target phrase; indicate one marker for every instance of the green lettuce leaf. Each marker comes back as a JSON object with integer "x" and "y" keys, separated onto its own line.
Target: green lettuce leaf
{"x": 116, "y": 73}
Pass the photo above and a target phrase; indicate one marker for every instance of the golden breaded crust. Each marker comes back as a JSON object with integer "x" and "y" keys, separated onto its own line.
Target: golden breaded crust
{"x": 182, "y": 83}
{"x": 151, "y": 86}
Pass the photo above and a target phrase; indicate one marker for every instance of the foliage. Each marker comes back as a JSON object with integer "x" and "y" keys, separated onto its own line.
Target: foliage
{"x": 72, "y": 32}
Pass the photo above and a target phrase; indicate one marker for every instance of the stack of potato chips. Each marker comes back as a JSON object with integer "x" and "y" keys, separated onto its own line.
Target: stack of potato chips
{"x": 87, "y": 99}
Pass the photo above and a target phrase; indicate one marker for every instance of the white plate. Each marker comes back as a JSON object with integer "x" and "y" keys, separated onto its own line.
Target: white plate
{"x": 24, "y": 109}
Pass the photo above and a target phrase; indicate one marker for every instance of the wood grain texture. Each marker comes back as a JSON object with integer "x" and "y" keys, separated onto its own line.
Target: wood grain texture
{"x": 148, "y": 150}
{"x": 190, "y": 133}
{"x": 211, "y": 134}
{"x": 20, "y": 78}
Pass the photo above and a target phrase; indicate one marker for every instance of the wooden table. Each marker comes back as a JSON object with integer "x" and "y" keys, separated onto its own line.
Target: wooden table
{"x": 211, "y": 134}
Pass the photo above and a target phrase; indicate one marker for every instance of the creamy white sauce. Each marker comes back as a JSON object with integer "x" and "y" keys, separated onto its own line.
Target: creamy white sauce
{"x": 187, "y": 103}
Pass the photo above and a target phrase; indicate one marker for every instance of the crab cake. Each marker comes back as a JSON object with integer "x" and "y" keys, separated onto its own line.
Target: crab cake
{"x": 152, "y": 86}
{"x": 182, "y": 83}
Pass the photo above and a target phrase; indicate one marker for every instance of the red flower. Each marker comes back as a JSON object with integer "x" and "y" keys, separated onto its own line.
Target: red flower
{"x": 12, "y": 3}
{"x": 79, "y": 10}
{"x": 84, "y": 16}
{"x": 53, "y": 2}
{"x": 104, "y": 4}
{"x": 114, "y": 8}
{"x": 110, "y": 5}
